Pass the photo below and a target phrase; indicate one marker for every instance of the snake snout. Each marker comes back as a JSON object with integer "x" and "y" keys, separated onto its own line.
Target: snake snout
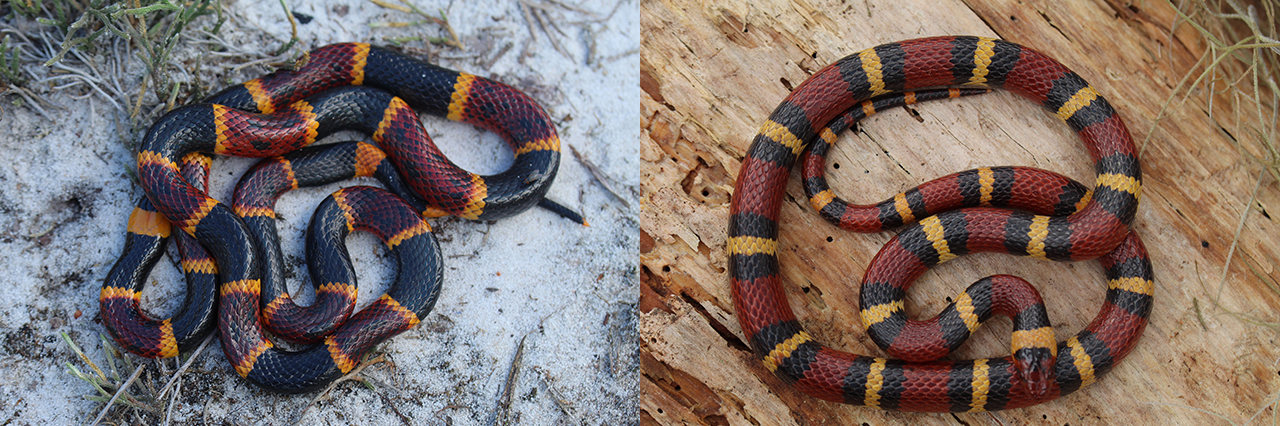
{"x": 1037, "y": 375}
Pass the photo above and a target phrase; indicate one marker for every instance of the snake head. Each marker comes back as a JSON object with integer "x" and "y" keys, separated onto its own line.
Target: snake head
{"x": 1035, "y": 368}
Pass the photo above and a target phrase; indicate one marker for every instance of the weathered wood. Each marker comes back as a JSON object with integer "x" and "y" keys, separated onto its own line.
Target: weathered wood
{"x": 711, "y": 74}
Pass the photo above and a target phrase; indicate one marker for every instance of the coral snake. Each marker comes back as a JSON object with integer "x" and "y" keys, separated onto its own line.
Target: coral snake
{"x": 1012, "y": 210}
{"x": 341, "y": 87}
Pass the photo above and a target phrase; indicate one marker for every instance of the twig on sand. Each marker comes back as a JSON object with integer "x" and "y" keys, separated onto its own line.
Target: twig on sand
{"x": 354, "y": 375}
{"x": 441, "y": 20}
{"x": 503, "y": 407}
{"x": 547, "y": 15}
{"x": 600, "y": 176}
{"x": 538, "y": 12}
{"x": 136, "y": 372}
{"x": 185, "y": 366}
{"x": 173, "y": 399}
{"x": 293, "y": 27}
{"x": 560, "y": 400}
{"x": 32, "y": 100}
{"x": 101, "y": 381}
{"x": 403, "y": 418}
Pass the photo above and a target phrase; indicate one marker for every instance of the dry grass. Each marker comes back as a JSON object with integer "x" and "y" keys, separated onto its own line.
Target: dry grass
{"x": 1239, "y": 69}
{"x": 1237, "y": 75}
{"x": 74, "y": 43}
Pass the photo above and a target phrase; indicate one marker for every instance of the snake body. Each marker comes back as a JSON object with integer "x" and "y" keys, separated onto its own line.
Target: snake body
{"x": 1095, "y": 226}
{"x": 255, "y": 199}
{"x": 120, "y": 298}
{"x": 411, "y": 296}
{"x": 343, "y": 86}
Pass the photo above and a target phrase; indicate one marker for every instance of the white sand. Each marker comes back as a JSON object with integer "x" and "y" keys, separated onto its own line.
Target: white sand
{"x": 571, "y": 290}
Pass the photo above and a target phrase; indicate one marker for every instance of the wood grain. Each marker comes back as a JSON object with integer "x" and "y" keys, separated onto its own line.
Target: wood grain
{"x": 711, "y": 74}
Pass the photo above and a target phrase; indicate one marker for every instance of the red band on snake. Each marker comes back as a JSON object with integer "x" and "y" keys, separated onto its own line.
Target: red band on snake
{"x": 303, "y": 106}
{"x": 920, "y": 381}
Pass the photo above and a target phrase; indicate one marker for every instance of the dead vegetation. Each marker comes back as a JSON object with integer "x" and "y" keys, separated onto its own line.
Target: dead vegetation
{"x": 1237, "y": 76}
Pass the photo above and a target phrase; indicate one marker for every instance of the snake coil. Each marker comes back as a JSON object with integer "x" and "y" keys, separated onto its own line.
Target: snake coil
{"x": 948, "y": 217}
{"x": 349, "y": 86}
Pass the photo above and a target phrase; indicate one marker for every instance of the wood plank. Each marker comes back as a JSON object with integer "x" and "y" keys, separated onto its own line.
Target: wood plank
{"x": 712, "y": 73}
